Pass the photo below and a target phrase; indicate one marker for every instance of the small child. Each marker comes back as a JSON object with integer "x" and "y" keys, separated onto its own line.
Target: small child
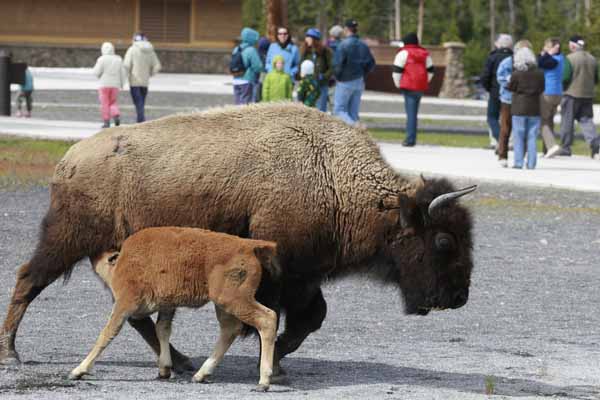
{"x": 109, "y": 69}
{"x": 308, "y": 90}
{"x": 25, "y": 91}
{"x": 277, "y": 85}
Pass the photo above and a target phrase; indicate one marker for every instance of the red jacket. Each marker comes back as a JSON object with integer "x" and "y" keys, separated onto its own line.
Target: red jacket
{"x": 414, "y": 76}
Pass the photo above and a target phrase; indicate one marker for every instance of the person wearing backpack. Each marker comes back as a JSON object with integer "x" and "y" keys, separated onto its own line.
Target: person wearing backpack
{"x": 245, "y": 66}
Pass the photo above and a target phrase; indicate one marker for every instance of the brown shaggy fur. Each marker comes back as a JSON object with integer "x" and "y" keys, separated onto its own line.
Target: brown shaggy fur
{"x": 280, "y": 172}
{"x": 160, "y": 269}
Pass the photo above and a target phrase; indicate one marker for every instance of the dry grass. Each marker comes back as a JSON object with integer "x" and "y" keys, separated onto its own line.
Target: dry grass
{"x": 27, "y": 162}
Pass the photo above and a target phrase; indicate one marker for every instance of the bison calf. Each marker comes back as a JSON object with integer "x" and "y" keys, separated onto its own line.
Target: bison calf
{"x": 159, "y": 269}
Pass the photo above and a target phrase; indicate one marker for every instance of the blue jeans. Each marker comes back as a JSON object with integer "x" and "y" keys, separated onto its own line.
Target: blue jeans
{"x": 138, "y": 95}
{"x": 493, "y": 116}
{"x": 412, "y": 100}
{"x": 525, "y": 131}
{"x": 346, "y": 102}
{"x": 243, "y": 93}
{"x": 323, "y": 98}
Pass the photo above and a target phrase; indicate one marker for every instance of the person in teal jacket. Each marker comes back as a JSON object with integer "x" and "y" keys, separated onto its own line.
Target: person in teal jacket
{"x": 25, "y": 92}
{"x": 277, "y": 85}
{"x": 243, "y": 85}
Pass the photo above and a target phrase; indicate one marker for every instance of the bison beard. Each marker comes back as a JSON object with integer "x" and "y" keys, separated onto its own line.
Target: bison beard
{"x": 281, "y": 172}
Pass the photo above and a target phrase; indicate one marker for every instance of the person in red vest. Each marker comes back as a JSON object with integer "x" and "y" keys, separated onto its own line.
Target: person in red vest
{"x": 412, "y": 71}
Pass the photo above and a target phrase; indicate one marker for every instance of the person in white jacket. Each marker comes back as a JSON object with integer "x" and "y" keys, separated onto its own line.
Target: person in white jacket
{"x": 141, "y": 63}
{"x": 109, "y": 68}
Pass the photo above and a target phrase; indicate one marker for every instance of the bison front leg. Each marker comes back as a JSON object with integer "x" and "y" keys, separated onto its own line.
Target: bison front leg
{"x": 300, "y": 321}
{"x": 145, "y": 327}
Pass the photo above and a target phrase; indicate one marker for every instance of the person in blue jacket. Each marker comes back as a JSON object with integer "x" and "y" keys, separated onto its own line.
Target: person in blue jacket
{"x": 552, "y": 62}
{"x": 243, "y": 85}
{"x": 284, "y": 47}
{"x": 351, "y": 64}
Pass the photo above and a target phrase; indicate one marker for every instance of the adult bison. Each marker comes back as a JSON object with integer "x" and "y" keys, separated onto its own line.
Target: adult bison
{"x": 281, "y": 172}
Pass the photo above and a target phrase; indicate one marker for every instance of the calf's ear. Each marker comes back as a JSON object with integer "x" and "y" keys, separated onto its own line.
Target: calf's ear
{"x": 265, "y": 253}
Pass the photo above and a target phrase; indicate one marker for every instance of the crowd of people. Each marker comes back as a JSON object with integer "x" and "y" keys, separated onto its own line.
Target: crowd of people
{"x": 319, "y": 69}
{"x": 525, "y": 92}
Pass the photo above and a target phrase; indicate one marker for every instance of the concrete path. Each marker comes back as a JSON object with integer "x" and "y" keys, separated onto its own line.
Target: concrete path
{"x": 576, "y": 172}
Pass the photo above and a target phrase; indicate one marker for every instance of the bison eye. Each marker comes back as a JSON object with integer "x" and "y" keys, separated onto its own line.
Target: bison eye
{"x": 444, "y": 242}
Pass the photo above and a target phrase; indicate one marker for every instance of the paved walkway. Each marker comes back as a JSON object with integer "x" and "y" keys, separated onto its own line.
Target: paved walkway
{"x": 576, "y": 173}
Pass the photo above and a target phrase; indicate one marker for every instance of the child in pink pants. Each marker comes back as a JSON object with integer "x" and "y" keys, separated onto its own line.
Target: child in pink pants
{"x": 109, "y": 68}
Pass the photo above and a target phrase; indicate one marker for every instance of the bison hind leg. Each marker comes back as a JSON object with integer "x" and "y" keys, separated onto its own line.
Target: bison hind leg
{"x": 60, "y": 246}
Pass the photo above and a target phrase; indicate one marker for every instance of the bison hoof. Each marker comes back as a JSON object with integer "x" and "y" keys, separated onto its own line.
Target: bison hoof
{"x": 202, "y": 378}
{"x": 279, "y": 375}
{"x": 9, "y": 358}
{"x": 261, "y": 387}
{"x": 164, "y": 373}
{"x": 75, "y": 376}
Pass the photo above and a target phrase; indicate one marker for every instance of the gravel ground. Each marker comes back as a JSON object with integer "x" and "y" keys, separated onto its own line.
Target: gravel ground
{"x": 530, "y": 330}
{"x": 83, "y": 105}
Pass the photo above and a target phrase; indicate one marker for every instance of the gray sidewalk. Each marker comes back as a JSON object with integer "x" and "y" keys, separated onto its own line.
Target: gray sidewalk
{"x": 576, "y": 172}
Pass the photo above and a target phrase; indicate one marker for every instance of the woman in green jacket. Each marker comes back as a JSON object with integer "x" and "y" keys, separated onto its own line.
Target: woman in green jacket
{"x": 322, "y": 58}
{"x": 277, "y": 85}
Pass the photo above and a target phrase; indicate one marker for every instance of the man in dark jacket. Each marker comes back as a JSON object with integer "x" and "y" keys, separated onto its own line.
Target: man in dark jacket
{"x": 352, "y": 62}
{"x": 488, "y": 80}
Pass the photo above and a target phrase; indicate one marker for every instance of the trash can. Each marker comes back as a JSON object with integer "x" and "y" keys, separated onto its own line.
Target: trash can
{"x": 4, "y": 82}
{"x": 9, "y": 73}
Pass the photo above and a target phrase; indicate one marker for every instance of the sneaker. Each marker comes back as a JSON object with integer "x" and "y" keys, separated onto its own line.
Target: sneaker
{"x": 27, "y": 114}
{"x": 554, "y": 150}
{"x": 564, "y": 152}
{"x": 18, "y": 114}
{"x": 408, "y": 144}
{"x": 503, "y": 162}
{"x": 595, "y": 151}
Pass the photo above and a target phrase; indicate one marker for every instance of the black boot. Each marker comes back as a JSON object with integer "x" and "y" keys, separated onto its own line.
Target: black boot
{"x": 106, "y": 123}
{"x": 117, "y": 120}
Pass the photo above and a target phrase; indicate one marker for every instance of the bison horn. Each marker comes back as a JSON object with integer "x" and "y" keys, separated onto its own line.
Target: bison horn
{"x": 446, "y": 197}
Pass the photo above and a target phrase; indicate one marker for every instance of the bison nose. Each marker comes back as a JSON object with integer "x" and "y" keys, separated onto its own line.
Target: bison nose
{"x": 460, "y": 298}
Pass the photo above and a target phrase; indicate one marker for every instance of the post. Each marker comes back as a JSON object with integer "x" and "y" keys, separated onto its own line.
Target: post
{"x": 492, "y": 23}
{"x": 4, "y": 83}
{"x": 455, "y": 85}
{"x": 397, "y": 25}
{"x": 420, "y": 21}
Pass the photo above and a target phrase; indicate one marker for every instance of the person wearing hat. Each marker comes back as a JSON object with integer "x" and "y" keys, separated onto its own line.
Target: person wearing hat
{"x": 140, "y": 63}
{"x": 579, "y": 78}
{"x": 284, "y": 47}
{"x": 412, "y": 71}
{"x": 322, "y": 59}
{"x": 308, "y": 88}
{"x": 351, "y": 63}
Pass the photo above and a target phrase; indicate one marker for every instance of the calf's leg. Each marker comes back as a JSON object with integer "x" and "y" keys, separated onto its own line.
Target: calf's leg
{"x": 163, "y": 332}
{"x": 265, "y": 321}
{"x": 113, "y": 327}
{"x": 145, "y": 327}
{"x": 230, "y": 329}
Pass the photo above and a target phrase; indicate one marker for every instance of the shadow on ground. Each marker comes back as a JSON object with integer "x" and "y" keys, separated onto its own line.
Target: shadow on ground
{"x": 307, "y": 374}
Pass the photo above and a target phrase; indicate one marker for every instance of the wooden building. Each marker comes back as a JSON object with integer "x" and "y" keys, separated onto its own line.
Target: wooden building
{"x": 178, "y": 28}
